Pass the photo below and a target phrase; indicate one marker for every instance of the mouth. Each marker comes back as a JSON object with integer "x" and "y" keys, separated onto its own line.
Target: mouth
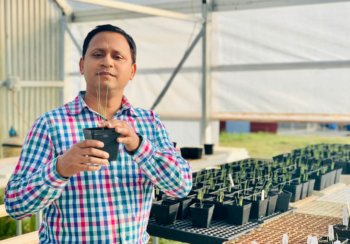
{"x": 105, "y": 74}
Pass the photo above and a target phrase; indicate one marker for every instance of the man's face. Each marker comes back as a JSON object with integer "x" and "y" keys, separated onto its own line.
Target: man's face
{"x": 108, "y": 59}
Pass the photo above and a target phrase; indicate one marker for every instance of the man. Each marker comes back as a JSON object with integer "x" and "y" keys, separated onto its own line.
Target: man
{"x": 109, "y": 202}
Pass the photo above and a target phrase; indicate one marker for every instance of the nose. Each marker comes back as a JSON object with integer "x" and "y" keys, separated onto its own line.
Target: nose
{"x": 106, "y": 62}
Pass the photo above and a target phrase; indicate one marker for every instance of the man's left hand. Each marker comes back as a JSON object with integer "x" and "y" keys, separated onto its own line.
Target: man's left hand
{"x": 130, "y": 139}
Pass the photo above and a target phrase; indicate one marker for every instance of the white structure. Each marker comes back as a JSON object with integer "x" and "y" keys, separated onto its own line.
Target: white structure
{"x": 274, "y": 60}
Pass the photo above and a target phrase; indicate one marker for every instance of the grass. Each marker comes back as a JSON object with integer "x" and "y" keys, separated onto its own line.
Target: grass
{"x": 257, "y": 144}
{"x": 268, "y": 145}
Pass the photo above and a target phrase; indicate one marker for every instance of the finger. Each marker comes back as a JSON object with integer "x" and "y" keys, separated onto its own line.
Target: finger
{"x": 103, "y": 123}
{"x": 90, "y": 143}
{"x": 115, "y": 123}
{"x": 124, "y": 131}
{"x": 93, "y": 160}
{"x": 89, "y": 167}
{"x": 125, "y": 140}
{"x": 94, "y": 152}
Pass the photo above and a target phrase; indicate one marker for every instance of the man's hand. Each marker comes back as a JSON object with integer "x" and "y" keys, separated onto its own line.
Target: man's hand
{"x": 72, "y": 161}
{"x": 130, "y": 139}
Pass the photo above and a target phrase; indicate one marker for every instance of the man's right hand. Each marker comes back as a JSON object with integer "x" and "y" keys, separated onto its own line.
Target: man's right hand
{"x": 73, "y": 161}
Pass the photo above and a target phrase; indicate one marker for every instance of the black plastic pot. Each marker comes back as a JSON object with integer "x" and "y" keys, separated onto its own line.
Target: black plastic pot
{"x": 341, "y": 231}
{"x": 283, "y": 200}
{"x": 174, "y": 144}
{"x": 338, "y": 175}
{"x": 311, "y": 187}
{"x": 295, "y": 189}
{"x": 208, "y": 149}
{"x": 304, "y": 189}
{"x": 161, "y": 196}
{"x": 201, "y": 217}
{"x": 151, "y": 214}
{"x": 185, "y": 152}
{"x": 220, "y": 212}
{"x": 238, "y": 215}
{"x": 196, "y": 152}
{"x": 184, "y": 208}
{"x": 165, "y": 211}
{"x": 271, "y": 206}
{"x": 331, "y": 176}
{"x": 320, "y": 181}
{"x": 343, "y": 165}
{"x": 324, "y": 240}
{"x": 327, "y": 183}
{"x": 108, "y": 137}
{"x": 258, "y": 209}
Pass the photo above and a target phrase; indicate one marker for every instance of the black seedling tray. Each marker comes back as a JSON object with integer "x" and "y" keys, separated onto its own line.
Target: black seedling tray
{"x": 217, "y": 233}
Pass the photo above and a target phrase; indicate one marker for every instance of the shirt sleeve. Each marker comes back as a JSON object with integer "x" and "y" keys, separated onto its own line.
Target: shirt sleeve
{"x": 35, "y": 183}
{"x": 163, "y": 164}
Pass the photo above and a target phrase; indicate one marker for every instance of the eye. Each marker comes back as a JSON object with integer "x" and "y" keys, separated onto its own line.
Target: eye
{"x": 117, "y": 57}
{"x": 97, "y": 55}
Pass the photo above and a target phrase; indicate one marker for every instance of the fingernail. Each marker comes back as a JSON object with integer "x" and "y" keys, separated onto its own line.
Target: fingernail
{"x": 102, "y": 144}
{"x": 98, "y": 125}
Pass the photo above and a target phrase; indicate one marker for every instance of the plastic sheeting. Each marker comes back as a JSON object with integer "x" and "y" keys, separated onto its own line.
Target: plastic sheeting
{"x": 253, "y": 37}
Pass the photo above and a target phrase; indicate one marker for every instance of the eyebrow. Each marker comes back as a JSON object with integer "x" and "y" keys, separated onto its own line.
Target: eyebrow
{"x": 102, "y": 50}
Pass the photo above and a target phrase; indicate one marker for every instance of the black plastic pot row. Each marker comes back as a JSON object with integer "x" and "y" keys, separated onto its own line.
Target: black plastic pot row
{"x": 167, "y": 210}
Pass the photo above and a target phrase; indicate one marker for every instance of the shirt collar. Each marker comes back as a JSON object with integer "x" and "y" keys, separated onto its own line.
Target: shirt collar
{"x": 78, "y": 104}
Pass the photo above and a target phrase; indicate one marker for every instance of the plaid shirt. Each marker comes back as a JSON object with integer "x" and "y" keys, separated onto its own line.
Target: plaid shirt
{"x": 111, "y": 205}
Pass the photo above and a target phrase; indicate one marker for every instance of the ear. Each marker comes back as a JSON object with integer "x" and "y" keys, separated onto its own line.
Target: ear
{"x": 133, "y": 71}
{"x": 81, "y": 66}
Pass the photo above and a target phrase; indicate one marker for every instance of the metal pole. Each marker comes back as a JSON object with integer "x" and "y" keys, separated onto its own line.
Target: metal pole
{"x": 19, "y": 227}
{"x": 38, "y": 219}
{"x": 142, "y": 9}
{"x": 206, "y": 130}
{"x": 155, "y": 240}
{"x": 200, "y": 34}
{"x": 71, "y": 36}
{"x": 8, "y": 43}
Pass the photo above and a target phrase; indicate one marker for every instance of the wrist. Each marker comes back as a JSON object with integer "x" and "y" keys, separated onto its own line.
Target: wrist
{"x": 133, "y": 149}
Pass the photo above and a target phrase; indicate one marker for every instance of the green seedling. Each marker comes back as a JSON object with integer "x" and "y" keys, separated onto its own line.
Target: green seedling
{"x": 332, "y": 165}
{"x": 200, "y": 197}
{"x": 220, "y": 197}
{"x": 223, "y": 174}
{"x": 280, "y": 188}
{"x": 229, "y": 187}
{"x": 102, "y": 112}
{"x": 255, "y": 196}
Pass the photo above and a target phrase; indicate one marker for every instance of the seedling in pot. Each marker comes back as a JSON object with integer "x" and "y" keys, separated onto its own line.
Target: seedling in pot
{"x": 255, "y": 195}
{"x": 306, "y": 177}
{"x": 275, "y": 177}
{"x": 102, "y": 112}
{"x": 200, "y": 197}
{"x": 324, "y": 169}
{"x": 229, "y": 187}
{"x": 197, "y": 177}
{"x": 332, "y": 165}
{"x": 239, "y": 201}
{"x": 207, "y": 174}
{"x": 220, "y": 196}
{"x": 223, "y": 174}
{"x": 281, "y": 188}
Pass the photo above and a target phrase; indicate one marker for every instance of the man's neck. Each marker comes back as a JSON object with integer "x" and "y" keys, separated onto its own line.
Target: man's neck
{"x": 114, "y": 102}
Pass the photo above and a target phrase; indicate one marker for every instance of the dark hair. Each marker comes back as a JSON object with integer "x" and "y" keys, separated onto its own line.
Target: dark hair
{"x": 101, "y": 28}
